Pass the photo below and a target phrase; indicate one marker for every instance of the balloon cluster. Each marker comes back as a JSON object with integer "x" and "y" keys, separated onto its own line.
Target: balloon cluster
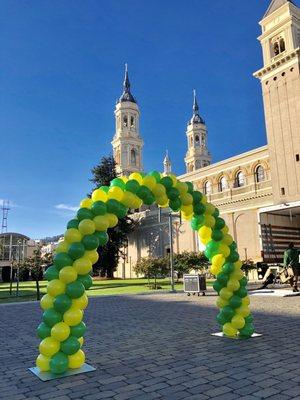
{"x": 62, "y": 328}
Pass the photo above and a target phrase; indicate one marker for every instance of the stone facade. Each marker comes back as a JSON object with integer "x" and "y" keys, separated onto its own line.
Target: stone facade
{"x": 257, "y": 192}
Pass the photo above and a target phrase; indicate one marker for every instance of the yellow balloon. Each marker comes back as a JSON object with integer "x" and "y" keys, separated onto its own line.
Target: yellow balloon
{"x": 186, "y": 199}
{"x": 174, "y": 179}
{"x": 73, "y": 316}
{"x": 237, "y": 274}
{"x": 204, "y": 199}
{"x": 182, "y": 187}
{"x": 92, "y": 255}
{"x": 159, "y": 190}
{"x": 243, "y": 311}
{"x": 124, "y": 178}
{"x": 150, "y": 182}
{"x": 245, "y": 301}
{"x": 238, "y": 265}
{"x": 225, "y": 293}
{"x": 187, "y": 210}
{"x": 238, "y": 322}
{"x": 229, "y": 330}
{"x": 49, "y": 346}
{"x": 224, "y": 249}
{"x": 81, "y": 341}
{"x": 99, "y": 195}
{"x": 129, "y": 199}
{"x": 205, "y": 232}
{"x": 86, "y": 203}
{"x": 42, "y": 362}
{"x": 86, "y": 227}
{"x": 101, "y": 222}
{"x": 81, "y": 302}
{"x": 56, "y": 287}
{"x": 68, "y": 274}
{"x": 73, "y": 235}
{"x": 82, "y": 265}
{"x": 162, "y": 201}
{"x": 215, "y": 269}
{"x": 227, "y": 239}
{"x": 76, "y": 360}
{"x": 137, "y": 203}
{"x": 138, "y": 177}
{"x": 233, "y": 285}
{"x": 205, "y": 241}
{"x": 218, "y": 260}
{"x": 222, "y": 303}
{"x": 47, "y": 302}
{"x": 112, "y": 220}
{"x": 115, "y": 193}
{"x": 210, "y": 209}
{"x": 225, "y": 230}
{"x": 60, "y": 331}
{"x": 62, "y": 247}
{"x": 209, "y": 221}
{"x": 187, "y": 217}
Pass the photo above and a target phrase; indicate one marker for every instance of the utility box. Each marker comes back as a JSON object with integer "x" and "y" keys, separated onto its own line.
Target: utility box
{"x": 194, "y": 284}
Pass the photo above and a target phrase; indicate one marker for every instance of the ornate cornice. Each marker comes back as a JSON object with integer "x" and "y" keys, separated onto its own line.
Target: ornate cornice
{"x": 276, "y": 63}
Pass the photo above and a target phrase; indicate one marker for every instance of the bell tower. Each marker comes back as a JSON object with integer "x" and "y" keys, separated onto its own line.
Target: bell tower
{"x": 197, "y": 155}
{"x": 280, "y": 80}
{"x": 127, "y": 143}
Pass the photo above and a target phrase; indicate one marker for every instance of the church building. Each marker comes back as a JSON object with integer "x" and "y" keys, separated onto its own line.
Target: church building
{"x": 257, "y": 192}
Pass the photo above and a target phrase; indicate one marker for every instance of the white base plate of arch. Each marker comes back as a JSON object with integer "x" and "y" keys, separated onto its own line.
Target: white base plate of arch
{"x": 221, "y": 334}
{"x": 48, "y": 376}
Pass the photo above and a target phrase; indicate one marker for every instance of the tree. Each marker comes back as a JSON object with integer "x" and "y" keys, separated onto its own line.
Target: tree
{"x": 248, "y": 265}
{"x": 152, "y": 268}
{"x": 35, "y": 264}
{"x": 186, "y": 261}
{"x": 110, "y": 254}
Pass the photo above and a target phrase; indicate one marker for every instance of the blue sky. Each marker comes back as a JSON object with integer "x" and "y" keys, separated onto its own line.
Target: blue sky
{"x": 62, "y": 66}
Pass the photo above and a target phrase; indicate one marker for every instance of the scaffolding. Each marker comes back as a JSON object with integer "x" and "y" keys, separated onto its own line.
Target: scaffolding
{"x": 5, "y": 208}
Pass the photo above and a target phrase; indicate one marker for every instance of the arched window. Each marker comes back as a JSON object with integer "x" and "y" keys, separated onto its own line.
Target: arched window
{"x": 133, "y": 157}
{"x": 276, "y": 49}
{"x": 223, "y": 185}
{"x": 207, "y": 187}
{"x": 198, "y": 164}
{"x": 282, "y": 45}
{"x": 259, "y": 174}
{"x": 240, "y": 179}
{"x": 125, "y": 121}
{"x": 197, "y": 141}
{"x": 131, "y": 122}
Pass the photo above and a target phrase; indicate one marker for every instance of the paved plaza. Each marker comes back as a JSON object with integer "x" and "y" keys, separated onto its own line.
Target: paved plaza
{"x": 159, "y": 347}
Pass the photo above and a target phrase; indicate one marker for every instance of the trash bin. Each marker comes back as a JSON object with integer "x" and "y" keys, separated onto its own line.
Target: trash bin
{"x": 194, "y": 284}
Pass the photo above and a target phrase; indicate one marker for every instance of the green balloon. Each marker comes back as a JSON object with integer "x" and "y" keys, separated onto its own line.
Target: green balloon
{"x": 233, "y": 246}
{"x": 143, "y": 192}
{"x": 104, "y": 188}
{"x": 217, "y": 286}
{"x": 52, "y": 317}
{"x": 242, "y": 292}
{"x": 223, "y": 278}
{"x": 155, "y": 175}
{"x": 228, "y": 312}
{"x": 102, "y": 238}
{"x": 59, "y": 363}
{"x": 190, "y": 187}
{"x": 76, "y": 250}
{"x": 99, "y": 208}
{"x": 84, "y": 213}
{"x": 78, "y": 330}
{"x": 221, "y": 318}
{"x": 122, "y": 211}
{"x": 70, "y": 345}
{"x": 118, "y": 182}
{"x": 149, "y": 200}
{"x": 62, "y": 260}
{"x": 249, "y": 319}
{"x": 197, "y": 222}
{"x": 73, "y": 224}
{"x": 233, "y": 256}
{"x": 75, "y": 289}
{"x": 216, "y": 213}
{"x": 199, "y": 208}
{"x": 132, "y": 186}
{"x": 52, "y": 273}
{"x": 197, "y": 196}
{"x": 217, "y": 235}
{"x": 175, "y": 204}
{"x": 113, "y": 206}
{"x": 212, "y": 249}
{"x": 173, "y": 193}
{"x": 244, "y": 281}
{"x": 86, "y": 280}
{"x": 62, "y": 303}
{"x": 247, "y": 331}
{"x": 43, "y": 330}
{"x": 167, "y": 182}
{"x": 228, "y": 268}
{"x": 91, "y": 242}
{"x": 235, "y": 301}
{"x": 220, "y": 223}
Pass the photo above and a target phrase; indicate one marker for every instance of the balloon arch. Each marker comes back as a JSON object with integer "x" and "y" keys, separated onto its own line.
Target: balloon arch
{"x": 62, "y": 329}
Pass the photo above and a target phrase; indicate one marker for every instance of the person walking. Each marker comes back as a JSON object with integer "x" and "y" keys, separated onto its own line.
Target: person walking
{"x": 291, "y": 259}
